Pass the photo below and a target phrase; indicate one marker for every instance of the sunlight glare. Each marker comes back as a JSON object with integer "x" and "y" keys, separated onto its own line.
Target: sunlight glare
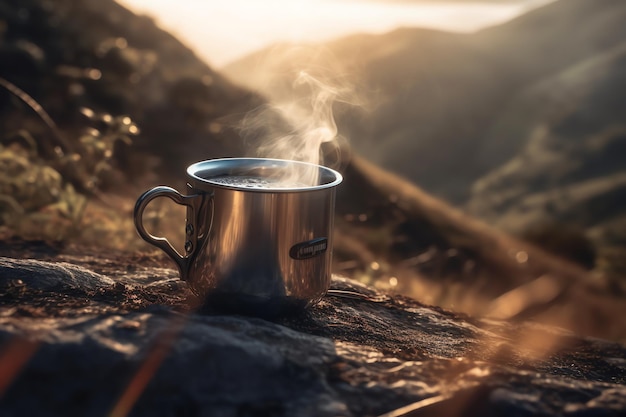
{"x": 221, "y": 32}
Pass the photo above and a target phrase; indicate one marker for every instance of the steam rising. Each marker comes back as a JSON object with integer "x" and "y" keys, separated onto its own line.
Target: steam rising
{"x": 300, "y": 120}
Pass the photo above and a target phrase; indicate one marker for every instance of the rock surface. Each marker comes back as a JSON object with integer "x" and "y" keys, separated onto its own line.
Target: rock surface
{"x": 119, "y": 335}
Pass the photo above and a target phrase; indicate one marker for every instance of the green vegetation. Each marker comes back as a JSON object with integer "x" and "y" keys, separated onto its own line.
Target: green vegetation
{"x": 77, "y": 81}
{"x": 44, "y": 193}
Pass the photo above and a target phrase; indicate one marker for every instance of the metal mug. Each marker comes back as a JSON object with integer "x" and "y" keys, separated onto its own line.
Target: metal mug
{"x": 258, "y": 251}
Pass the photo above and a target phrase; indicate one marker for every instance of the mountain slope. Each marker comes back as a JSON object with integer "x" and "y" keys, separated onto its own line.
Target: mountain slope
{"x": 433, "y": 96}
{"x": 419, "y": 88}
{"x": 560, "y": 34}
{"x": 573, "y": 168}
{"x": 96, "y": 54}
{"x": 440, "y": 255}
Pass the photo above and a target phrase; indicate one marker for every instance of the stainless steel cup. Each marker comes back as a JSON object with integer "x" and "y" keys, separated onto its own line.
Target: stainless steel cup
{"x": 260, "y": 251}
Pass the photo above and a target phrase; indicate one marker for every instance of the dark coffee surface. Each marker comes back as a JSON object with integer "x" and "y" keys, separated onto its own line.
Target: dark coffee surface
{"x": 246, "y": 181}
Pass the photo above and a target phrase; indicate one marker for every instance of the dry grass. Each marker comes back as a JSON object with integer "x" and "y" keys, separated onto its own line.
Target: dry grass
{"x": 511, "y": 279}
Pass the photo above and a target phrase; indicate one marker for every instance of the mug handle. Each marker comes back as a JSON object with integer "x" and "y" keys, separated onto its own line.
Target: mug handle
{"x": 162, "y": 243}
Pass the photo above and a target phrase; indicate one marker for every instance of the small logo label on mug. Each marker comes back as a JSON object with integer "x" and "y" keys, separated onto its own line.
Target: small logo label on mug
{"x": 309, "y": 249}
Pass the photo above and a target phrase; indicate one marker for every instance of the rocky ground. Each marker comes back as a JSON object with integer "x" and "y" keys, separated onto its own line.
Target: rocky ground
{"x": 89, "y": 333}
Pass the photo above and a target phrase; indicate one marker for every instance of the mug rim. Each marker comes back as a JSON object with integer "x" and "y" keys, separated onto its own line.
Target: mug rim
{"x": 199, "y": 182}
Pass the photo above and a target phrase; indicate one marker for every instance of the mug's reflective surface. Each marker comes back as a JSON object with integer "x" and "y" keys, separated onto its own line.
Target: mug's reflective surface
{"x": 259, "y": 244}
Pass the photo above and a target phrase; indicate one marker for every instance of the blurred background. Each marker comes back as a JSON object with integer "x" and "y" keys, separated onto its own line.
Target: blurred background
{"x": 223, "y": 33}
{"x": 483, "y": 143}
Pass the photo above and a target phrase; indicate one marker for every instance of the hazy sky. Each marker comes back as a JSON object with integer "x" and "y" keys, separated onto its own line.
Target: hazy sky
{"x": 221, "y": 31}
